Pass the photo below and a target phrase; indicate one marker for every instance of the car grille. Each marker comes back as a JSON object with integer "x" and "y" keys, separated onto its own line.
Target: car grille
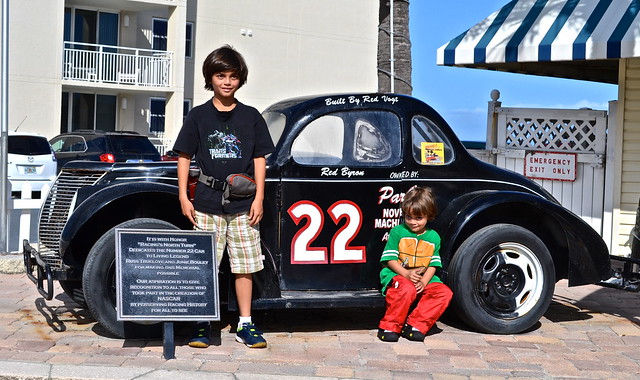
{"x": 56, "y": 209}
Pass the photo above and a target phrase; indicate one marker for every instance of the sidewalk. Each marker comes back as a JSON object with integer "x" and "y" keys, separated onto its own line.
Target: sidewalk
{"x": 588, "y": 332}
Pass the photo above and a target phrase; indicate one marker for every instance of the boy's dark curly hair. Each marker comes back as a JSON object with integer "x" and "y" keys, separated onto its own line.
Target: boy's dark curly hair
{"x": 224, "y": 59}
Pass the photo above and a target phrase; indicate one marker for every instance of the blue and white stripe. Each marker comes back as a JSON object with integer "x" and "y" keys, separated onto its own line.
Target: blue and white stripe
{"x": 549, "y": 30}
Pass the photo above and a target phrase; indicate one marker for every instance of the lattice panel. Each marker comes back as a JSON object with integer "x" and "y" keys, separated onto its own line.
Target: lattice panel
{"x": 546, "y": 133}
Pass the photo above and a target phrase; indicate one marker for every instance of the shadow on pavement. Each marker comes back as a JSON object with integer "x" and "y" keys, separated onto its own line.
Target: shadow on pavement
{"x": 602, "y": 300}
{"x": 57, "y": 316}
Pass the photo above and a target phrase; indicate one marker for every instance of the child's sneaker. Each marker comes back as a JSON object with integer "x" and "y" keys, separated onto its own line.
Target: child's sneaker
{"x": 388, "y": 336}
{"x": 201, "y": 336}
{"x": 412, "y": 333}
{"x": 250, "y": 336}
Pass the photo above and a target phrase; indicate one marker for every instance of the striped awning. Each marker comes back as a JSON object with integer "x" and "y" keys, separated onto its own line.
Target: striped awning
{"x": 566, "y": 38}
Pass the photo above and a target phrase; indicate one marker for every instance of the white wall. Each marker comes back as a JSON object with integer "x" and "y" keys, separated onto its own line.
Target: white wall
{"x": 297, "y": 47}
{"x": 35, "y": 65}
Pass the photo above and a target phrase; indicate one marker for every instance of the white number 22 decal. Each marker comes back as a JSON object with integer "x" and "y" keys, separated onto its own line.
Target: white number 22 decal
{"x": 341, "y": 251}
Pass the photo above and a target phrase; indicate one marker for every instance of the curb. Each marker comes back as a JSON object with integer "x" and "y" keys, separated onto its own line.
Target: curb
{"x": 11, "y": 264}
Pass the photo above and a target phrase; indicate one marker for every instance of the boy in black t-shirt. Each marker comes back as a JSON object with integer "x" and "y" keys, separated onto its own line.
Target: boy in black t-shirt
{"x": 226, "y": 137}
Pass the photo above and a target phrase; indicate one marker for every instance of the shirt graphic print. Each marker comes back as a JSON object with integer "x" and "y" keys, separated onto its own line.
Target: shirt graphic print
{"x": 414, "y": 253}
{"x": 224, "y": 145}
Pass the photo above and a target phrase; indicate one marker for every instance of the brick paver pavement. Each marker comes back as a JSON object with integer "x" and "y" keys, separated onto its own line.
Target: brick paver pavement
{"x": 588, "y": 332}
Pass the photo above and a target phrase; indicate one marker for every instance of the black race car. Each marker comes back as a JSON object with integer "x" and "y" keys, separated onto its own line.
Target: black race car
{"x": 334, "y": 185}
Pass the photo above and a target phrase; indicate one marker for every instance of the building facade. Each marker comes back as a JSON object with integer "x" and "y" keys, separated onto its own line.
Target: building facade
{"x": 136, "y": 65}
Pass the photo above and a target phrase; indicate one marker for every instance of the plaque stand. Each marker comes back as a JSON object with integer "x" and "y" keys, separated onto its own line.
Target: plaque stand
{"x": 168, "y": 341}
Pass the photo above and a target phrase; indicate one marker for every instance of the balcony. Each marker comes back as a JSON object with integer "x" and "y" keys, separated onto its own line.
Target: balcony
{"x": 116, "y": 65}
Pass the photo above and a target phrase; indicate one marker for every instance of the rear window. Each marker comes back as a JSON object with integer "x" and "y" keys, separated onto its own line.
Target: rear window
{"x": 29, "y": 145}
{"x": 132, "y": 145}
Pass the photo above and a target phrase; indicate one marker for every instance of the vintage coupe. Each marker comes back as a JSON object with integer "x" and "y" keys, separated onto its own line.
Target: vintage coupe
{"x": 334, "y": 184}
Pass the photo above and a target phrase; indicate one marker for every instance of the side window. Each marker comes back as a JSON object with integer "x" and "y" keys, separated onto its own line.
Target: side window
{"x": 276, "y": 122}
{"x": 355, "y": 138}
{"x": 69, "y": 144}
{"x": 429, "y": 145}
{"x": 320, "y": 143}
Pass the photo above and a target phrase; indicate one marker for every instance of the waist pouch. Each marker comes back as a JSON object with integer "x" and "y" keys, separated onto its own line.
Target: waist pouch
{"x": 240, "y": 186}
{"x": 236, "y": 186}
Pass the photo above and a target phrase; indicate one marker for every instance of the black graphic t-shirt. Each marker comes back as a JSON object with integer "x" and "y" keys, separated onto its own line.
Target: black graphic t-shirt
{"x": 223, "y": 143}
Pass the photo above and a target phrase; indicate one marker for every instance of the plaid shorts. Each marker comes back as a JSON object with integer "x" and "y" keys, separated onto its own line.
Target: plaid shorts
{"x": 242, "y": 241}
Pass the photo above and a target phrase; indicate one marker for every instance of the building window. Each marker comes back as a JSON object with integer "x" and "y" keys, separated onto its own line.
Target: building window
{"x": 157, "y": 108}
{"x": 160, "y": 32}
{"x": 91, "y": 27}
{"x": 188, "y": 51}
{"x": 157, "y": 113}
{"x": 186, "y": 107}
{"x": 88, "y": 111}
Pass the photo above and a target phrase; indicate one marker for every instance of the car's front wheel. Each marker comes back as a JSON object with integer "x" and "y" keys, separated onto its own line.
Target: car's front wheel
{"x": 99, "y": 282}
{"x": 503, "y": 278}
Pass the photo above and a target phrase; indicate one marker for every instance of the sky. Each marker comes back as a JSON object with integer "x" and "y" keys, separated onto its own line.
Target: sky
{"x": 459, "y": 94}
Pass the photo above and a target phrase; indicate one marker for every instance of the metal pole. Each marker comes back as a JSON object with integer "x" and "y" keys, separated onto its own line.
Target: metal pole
{"x": 391, "y": 59}
{"x": 4, "y": 126}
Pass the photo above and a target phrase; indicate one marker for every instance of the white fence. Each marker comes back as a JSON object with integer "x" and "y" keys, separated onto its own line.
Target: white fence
{"x": 23, "y": 218}
{"x": 512, "y": 133}
{"x": 116, "y": 64}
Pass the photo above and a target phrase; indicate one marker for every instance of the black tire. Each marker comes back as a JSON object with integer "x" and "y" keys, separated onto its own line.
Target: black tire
{"x": 74, "y": 290}
{"x": 502, "y": 278}
{"x": 99, "y": 283}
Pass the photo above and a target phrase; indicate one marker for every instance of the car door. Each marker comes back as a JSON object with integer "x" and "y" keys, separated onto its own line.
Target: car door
{"x": 339, "y": 199}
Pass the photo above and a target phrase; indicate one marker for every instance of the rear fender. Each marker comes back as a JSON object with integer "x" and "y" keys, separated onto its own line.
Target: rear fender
{"x": 579, "y": 253}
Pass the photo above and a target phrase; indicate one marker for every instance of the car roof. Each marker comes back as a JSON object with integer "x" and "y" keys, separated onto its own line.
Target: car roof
{"x": 99, "y": 132}
{"x": 14, "y": 133}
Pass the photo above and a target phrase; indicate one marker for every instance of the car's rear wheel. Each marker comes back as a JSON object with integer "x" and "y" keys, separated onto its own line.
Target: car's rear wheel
{"x": 502, "y": 278}
{"x": 99, "y": 282}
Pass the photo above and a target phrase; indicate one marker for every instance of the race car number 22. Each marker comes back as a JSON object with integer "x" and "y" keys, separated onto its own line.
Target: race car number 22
{"x": 341, "y": 249}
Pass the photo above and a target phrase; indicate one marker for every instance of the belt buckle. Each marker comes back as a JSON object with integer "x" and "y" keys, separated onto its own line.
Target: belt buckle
{"x": 217, "y": 184}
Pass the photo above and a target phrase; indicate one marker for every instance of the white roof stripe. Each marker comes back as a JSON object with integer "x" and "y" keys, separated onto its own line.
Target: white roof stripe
{"x": 562, "y": 46}
{"x": 506, "y": 31}
{"x": 529, "y": 52}
{"x": 630, "y": 45}
{"x": 596, "y": 46}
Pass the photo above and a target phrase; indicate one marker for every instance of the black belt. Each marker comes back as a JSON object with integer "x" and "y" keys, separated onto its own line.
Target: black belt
{"x": 212, "y": 182}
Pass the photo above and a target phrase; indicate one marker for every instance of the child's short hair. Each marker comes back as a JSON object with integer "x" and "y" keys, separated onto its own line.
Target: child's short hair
{"x": 223, "y": 59}
{"x": 419, "y": 201}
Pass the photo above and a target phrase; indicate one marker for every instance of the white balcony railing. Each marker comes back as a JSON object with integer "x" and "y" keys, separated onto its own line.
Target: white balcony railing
{"x": 116, "y": 64}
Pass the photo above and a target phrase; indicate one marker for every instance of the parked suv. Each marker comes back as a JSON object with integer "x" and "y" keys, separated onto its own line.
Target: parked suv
{"x": 31, "y": 160}
{"x": 97, "y": 145}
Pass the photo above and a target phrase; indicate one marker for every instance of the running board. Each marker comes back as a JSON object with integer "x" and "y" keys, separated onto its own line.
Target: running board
{"x": 321, "y": 299}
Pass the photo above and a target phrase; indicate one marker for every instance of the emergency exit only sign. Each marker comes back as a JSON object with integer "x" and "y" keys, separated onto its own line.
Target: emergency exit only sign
{"x": 553, "y": 166}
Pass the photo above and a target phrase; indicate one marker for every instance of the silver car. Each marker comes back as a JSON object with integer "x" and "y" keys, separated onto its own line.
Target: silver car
{"x": 30, "y": 161}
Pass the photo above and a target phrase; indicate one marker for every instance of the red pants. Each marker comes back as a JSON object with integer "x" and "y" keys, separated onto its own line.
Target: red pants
{"x": 401, "y": 294}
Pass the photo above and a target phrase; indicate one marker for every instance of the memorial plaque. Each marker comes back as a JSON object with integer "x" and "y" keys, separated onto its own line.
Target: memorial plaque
{"x": 166, "y": 275}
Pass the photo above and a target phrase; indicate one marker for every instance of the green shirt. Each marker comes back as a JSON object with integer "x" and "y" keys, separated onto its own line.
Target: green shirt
{"x": 404, "y": 243}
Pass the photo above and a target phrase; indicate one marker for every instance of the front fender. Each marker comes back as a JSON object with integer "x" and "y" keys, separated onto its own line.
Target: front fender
{"x": 579, "y": 252}
{"x": 99, "y": 197}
